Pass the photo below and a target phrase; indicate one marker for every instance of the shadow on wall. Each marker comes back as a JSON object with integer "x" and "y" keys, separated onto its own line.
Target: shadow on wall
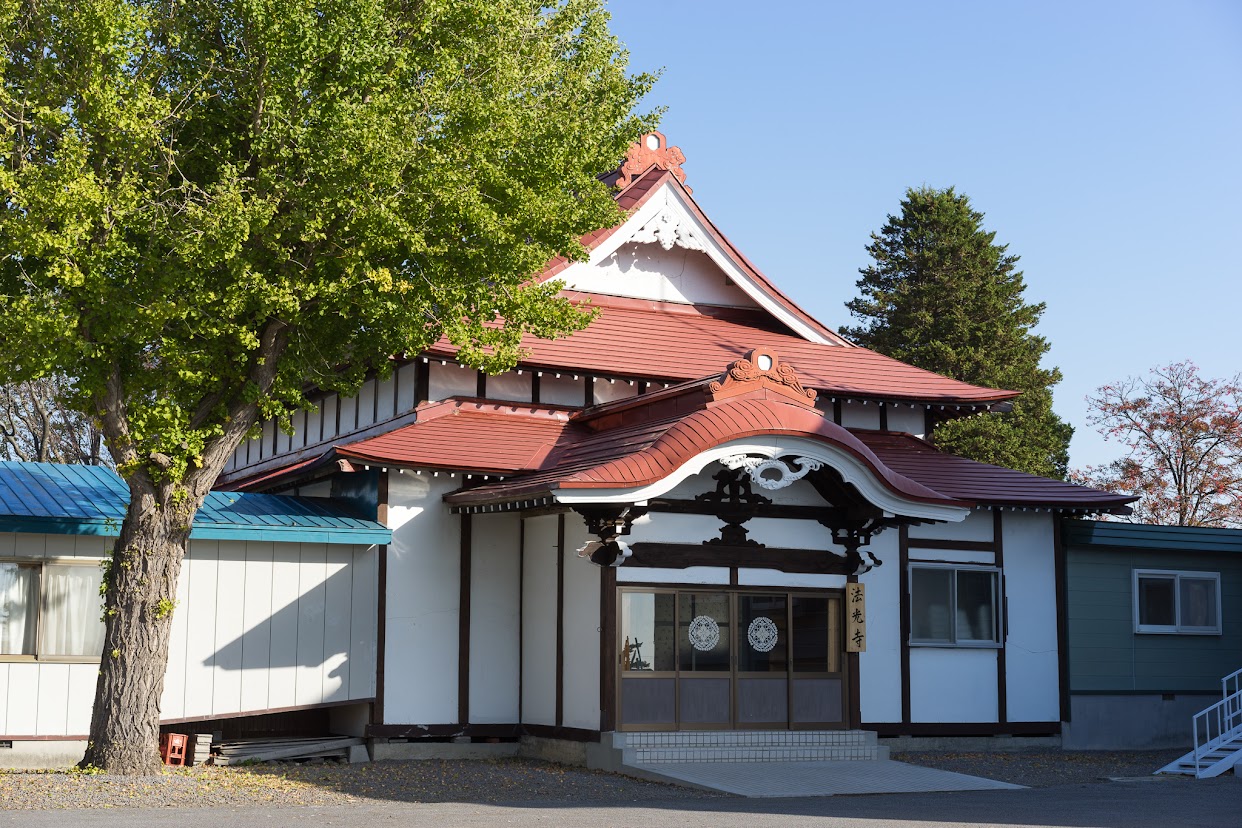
{"x": 308, "y": 621}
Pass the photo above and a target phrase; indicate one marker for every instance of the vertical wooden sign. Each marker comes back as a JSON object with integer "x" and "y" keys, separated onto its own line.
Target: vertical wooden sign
{"x": 855, "y": 618}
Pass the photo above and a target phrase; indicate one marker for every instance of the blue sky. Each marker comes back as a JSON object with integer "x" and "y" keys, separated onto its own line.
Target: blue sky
{"x": 1103, "y": 141}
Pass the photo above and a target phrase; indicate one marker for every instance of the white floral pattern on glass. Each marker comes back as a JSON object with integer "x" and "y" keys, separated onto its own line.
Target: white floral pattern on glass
{"x": 762, "y": 634}
{"x": 704, "y": 633}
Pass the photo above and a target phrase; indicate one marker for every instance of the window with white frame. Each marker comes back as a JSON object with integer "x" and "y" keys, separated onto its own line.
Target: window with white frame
{"x": 50, "y": 610}
{"x": 954, "y": 606}
{"x": 1177, "y": 602}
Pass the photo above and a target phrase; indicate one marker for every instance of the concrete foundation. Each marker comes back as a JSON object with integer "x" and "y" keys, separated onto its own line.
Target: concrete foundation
{"x": 971, "y": 744}
{"x": 1132, "y": 722}
{"x": 40, "y": 755}
{"x": 412, "y": 751}
{"x": 560, "y": 751}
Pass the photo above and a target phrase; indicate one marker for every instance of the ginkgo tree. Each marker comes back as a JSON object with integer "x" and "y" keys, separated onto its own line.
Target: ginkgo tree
{"x": 1183, "y": 435}
{"x": 212, "y": 205}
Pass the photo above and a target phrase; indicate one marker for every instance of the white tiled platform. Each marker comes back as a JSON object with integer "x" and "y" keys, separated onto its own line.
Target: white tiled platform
{"x": 830, "y": 778}
{"x": 773, "y": 763}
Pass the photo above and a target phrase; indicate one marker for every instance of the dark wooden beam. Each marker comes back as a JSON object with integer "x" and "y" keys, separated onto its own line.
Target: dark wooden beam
{"x": 608, "y": 648}
{"x": 682, "y": 555}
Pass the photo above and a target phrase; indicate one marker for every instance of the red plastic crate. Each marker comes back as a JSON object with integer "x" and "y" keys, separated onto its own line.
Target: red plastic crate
{"x": 172, "y": 748}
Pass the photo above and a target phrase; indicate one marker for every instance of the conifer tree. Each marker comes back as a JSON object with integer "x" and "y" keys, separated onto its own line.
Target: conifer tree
{"x": 942, "y": 295}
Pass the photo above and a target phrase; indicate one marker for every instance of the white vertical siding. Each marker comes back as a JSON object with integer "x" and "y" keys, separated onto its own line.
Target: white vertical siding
{"x": 366, "y": 404}
{"x": 581, "y": 631}
{"x": 230, "y": 607}
{"x": 951, "y": 685}
{"x": 856, "y": 415}
{"x": 312, "y": 608}
{"x": 256, "y": 650}
{"x": 451, "y": 380}
{"x": 511, "y": 386}
{"x": 880, "y": 665}
{"x": 562, "y": 390}
{"x": 338, "y": 599}
{"x": 423, "y": 592}
{"x": 407, "y": 381}
{"x": 4, "y": 698}
{"x": 539, "y": 621}
{"x": 494, "y": 627}
{"x": 53, "y": 700}
{"x": 976, "y": 527}
{"x": 1031, "y": 664}
{"x": 203, "y": 561}
{"x": 362, "y": 624}
{"x": 23, "y": 701}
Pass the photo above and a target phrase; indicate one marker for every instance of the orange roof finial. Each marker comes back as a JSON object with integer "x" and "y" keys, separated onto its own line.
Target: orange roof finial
{"x": 651, "y": 150}
{"x": 761, "y": 368}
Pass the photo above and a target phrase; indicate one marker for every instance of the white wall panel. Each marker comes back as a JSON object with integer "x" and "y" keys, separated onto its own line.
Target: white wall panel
{"x": 172, "y": 702}
{"x": 282, "y": 677}
{"x": 951, "y": 685}
{"x": 200, "y": 650}
{"x": 539, "y": 621}
{"x": 366, "y": 404}
{"x": 494, "y": 626}
{"x": 23, "y": 701}
{"x": 60, "y": 546}
{"x": 879, "y": 666}
{"x": 647, "y": 271}
{"x": 976, "y": 527}
{"x": 328, "y": 412}
{"x": 4, "y": 700}
{"x": 338, "y": 600}
{"x": 385, "y": 394}
{"x": 511, "y": 386}
{"x": 1031, "y": 664}
{"x": 627, "y": 574}
{"x": 607, "y": 391}
{"x": 229, "y": 627}
{"x": 256, "y": 643}
{"x": 82, "y": 681}
{"x": 451, "y": 380}
{"x": 581, "y": 631}
{"x": 407, "y": 386}
{"x": 423, "y": 578}
{"x": 953, "y": 556}
{"x": 311, "y": 609}
{"x": 562, "y": 390}
{"x": 776, "y": 578}
{"x": 53, "y": 700}
{"x": 362, "y": 625}
{"x": 907, "y": 419}
{"x": 856, "y": 415}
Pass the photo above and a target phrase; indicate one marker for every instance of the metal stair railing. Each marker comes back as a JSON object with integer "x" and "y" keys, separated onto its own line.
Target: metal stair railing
{"x": 1219, "y": 723}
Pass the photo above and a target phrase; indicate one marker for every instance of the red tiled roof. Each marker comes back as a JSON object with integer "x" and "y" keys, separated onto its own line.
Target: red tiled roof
{"x": 648, "y": 451}
{"x": 674, "y": 342}
{"x": 983, "y": 483}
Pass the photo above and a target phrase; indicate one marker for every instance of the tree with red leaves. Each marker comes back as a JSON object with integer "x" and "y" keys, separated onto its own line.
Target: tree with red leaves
{"x": 1184, "y": 435}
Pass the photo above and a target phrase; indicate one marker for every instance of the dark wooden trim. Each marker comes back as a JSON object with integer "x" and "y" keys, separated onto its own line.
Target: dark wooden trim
{"x": 890, "y": 729}
{"x": 903, "y": 572}
{"x": 463, "y": 623}
{"x": 836, "y": 411}
{"x": 381, "y": 602}
{"x": 852, "y": 663}
{"x": 682, "y": 555}
{"x": 521, "y": 610}
{"x": 569, "y": 734}
{"x": 535, "y": 382}
{"x": 588, "y": 398}
{"x": 960, "y": 546}
{"x": 422, "y": 382}
{"x": 246, "y": 714}
{"x": 1061, "y": 575}
{"x": 733, "y": 576}
{"x": 608, "y": 649}
{"x": 1002, "y": 679}
{"x": 883, "y": 417}
{"x": 480, "y": 385}
{"x": 560, "y": 620}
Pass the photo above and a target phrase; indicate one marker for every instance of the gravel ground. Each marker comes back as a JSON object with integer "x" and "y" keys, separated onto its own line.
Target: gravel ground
{"x": 508, "y": 781}
{"x": 1045, "y": 768}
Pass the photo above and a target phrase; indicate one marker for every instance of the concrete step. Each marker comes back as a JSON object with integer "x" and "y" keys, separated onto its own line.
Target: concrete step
{"x": 746, "y": 738}
{"x": 653, "y": 756}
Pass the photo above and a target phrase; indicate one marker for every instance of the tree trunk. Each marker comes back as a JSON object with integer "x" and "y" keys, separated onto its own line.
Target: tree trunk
{"x": 140, "y": 595}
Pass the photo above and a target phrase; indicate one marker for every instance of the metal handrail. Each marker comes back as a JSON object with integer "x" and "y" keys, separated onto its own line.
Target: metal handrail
{"x": 1220, "y": 722}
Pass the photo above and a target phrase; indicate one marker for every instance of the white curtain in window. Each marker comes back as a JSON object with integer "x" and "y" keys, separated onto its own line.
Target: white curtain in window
{"x": 19, "y": 595}
{"x": 71, "y": 616}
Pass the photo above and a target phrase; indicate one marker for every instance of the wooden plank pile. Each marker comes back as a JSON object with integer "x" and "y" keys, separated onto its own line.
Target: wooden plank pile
{"x": 272, "y": 750}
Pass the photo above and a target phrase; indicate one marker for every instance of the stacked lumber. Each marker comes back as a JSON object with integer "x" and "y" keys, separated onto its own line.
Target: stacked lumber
{"x": 200, "y": 749}
{"x": 271, "y": 750}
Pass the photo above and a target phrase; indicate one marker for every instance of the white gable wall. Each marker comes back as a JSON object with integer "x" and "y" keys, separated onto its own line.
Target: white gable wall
{"x": 648, "y": 271}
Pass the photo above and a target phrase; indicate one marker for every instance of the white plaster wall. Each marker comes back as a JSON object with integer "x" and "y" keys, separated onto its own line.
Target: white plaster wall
{"x": 879, "y": 666}
{"x": 511, "y": 385}
{"x": 564, "y": 389}
{"x": 494, "y": 627}
{"x": 856, "y": 415}
{"x": 539, "y": 620}
{"x": 951, "y": 685}
{"x": 606, "y": 391}
{"x": 424, "y": 560}
{"x": 976, "y": 527}
{"x": 1031, "y": 664}
{"x": 952, "y": 556}
{"x": 581, "y": 630}
{"x": 451, "y": 380}
{"x": 648, "y": 271}
{"x": 234, "y": 630}
{"x": 690, "y": 575}
{"x": 907, "y": 419}
{"x": 776, "y": 578}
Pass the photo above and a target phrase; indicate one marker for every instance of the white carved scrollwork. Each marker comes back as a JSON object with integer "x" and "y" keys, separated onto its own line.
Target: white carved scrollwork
{"x": 668, "y": 229}
{"x": 773, "y": 474}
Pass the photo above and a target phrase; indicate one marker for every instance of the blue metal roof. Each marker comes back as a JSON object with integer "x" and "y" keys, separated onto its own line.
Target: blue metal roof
{"x": 1097, "y": 533}
{"x": 52, "y": 498}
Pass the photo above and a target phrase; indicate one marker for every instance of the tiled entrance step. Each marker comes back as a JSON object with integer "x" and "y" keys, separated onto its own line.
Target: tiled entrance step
{"x": 653, "y": 747}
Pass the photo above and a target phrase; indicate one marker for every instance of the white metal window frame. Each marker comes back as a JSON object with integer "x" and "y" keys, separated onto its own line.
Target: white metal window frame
{"x": 998, "y": 619}
{"x": 42, "y": 564}
{"x": 1176, "y": 576}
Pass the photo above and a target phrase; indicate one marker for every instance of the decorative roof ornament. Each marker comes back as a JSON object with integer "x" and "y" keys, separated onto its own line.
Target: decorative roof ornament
{"x": 761, "y": 368}
{"x": 668, "y": 228}
{"x": 773, "y": 473}
{"x": 651, "y": 150}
